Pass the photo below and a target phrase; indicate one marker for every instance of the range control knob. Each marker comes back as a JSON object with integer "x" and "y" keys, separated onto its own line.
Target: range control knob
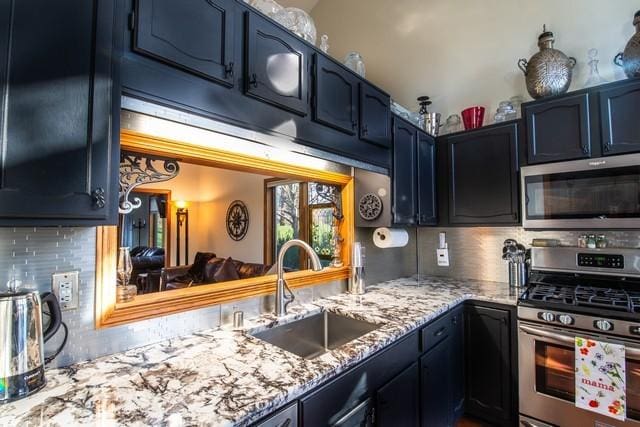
{"x": 565, "y": 319}
{"x": 548, "y": 317}
{"x": 603, "y": 325}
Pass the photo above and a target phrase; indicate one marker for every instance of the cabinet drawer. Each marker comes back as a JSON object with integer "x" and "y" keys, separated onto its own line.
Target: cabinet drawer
{"x": 285, "y": 417}
{"x": 435, "y": 332}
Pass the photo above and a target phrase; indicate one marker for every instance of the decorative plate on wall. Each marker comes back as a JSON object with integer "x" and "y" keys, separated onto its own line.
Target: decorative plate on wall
{"x": 370, "y": 207}
{"x": 237, "y": 220}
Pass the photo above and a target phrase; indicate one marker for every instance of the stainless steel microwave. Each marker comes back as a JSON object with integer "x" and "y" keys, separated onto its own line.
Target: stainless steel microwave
{"x": 602, "y": 193}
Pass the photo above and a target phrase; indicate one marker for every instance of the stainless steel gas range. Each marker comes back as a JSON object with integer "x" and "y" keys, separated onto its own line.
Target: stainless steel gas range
{"x": 591, "y": 293}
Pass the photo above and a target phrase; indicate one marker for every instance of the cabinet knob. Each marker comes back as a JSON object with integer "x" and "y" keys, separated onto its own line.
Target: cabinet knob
{"x": 98, "y": 198}
{"x": 228, "y": 70}
{"x": 365, "y": 130}
{"x": 585, "y": 149}
{"x": 254, "y": 80}
{"x": 607, "y": 146}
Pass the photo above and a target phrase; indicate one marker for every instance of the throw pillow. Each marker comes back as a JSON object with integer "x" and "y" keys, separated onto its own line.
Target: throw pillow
{"x": 227, "y": 271}
{"x": 197, "y": 268}
{"x": 211, "y": 268}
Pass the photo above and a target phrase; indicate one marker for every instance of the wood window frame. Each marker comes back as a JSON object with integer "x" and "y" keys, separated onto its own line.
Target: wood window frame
{"x": 108, "y": 313}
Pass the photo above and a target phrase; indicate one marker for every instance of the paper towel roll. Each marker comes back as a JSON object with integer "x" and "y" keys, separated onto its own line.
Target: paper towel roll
{"x": 390, "y": 237}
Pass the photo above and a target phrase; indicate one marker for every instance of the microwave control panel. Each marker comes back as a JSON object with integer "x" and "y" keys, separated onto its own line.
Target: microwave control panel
{"x": 601, "y": 261}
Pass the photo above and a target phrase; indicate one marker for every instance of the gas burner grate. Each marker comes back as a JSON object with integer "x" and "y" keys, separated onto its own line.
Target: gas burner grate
{"x": 586, "y": 296}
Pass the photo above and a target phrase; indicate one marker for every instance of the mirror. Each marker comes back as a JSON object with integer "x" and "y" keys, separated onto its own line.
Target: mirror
{"x": 209, "y": 225}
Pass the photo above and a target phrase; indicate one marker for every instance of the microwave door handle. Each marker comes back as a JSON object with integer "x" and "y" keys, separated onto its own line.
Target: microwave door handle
{"x": 554, "y": 338}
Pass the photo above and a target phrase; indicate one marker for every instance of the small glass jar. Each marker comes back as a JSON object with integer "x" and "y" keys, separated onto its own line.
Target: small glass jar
{"x": 582, "y": 241}
{"x": 601, "y": 241}
{"x": 354, "y": 61}
{"x": 591, "y": 241}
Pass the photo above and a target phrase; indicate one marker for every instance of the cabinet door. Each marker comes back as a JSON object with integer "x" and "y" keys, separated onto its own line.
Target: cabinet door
{"x": 457, "y": 369}
{"x": 435, "y": 400}
{"x": 619, "y": 109}
{"x": 335, "y": 96}
{"x": 375, "y": 112}
{"x": 404, "y": 167}
{"x": 558, "y": 129}
{"x": 277, "y": 66}
{"x": 426, "y": 158}
{"x": 397, "y": 403}
{"x": 488, "y": 367}
{"x": 58, "y": 163}
{"x": 483, "y": 176}
{"x": 195, "y": 35}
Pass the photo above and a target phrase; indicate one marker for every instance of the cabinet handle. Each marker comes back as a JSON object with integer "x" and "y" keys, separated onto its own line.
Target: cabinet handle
{"x": 287, "y": 423}
{"x": 365, "y": 130}
{"x": 439, "y": 332}
{"x": 98, "y": 198}
{"x": 454, "y": 320}
{"x": 585, "y": 149}
{"x": 228, "y": 70}
{"x": 254, "y": 80}
{"x": 354, "y": 125}
{"x": 607, "y": 146}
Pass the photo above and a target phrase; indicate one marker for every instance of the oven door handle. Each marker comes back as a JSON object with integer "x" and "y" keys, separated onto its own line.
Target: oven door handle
{"x": 564, "y": 339}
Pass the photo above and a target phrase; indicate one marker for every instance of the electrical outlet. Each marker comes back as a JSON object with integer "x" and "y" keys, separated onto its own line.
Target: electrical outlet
{"x": 443, "y": 257}
{"x": 65, "y": 288}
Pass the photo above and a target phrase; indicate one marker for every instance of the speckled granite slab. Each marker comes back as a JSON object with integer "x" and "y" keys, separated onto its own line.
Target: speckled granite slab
{"x": 222, "y": 377}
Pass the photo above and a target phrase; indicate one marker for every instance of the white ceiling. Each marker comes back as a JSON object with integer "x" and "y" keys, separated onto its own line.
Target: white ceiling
{"x": 305, "y": 5}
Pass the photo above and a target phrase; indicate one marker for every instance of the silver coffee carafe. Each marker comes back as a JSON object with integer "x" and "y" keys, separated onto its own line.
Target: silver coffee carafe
{"x": 22, "y": 341}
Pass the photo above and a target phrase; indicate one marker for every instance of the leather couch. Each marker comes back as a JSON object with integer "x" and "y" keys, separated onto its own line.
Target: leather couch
{"x": 145, "y": 260}
{"x": 203, "y": 272}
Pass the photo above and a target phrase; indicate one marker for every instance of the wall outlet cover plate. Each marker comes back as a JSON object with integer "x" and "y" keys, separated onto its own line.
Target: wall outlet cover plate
{"x": 65, "y": 288}
{"x": 443, "y": 257}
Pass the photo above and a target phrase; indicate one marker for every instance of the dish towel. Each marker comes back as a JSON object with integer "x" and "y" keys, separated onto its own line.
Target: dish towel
{"x": 600, "y": 377}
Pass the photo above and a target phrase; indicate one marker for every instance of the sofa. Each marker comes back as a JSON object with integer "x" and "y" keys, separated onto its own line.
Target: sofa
{"x": 206, "y": 269}
{"x": 146, "y": 260}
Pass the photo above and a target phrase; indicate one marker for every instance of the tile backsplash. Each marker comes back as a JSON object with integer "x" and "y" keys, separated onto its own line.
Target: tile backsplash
{"x": 33, "y": 254}
{"x": 476, "y": 252}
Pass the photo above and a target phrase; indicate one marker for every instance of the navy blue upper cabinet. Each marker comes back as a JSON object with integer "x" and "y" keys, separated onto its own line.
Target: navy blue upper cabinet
{"x": 558, "y": 129}
{"x": 482, "y": 176}
{"x": 59, "y": 115}
{"x": 619, "y": 111}
{"x": 375, "y": 112}
{"x": 194, "y": 35}
{"x": 426, "y": 158}
{"x": 277, "y": 69}
{"x": 404, "y": 173}
{"x": 335, "y": 96}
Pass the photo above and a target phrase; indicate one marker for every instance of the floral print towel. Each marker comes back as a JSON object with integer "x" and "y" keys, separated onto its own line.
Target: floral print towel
{"x": 600, "y": 377}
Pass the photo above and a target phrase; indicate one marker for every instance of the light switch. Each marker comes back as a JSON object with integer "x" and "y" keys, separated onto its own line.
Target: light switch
{"x": 65, "y": 288}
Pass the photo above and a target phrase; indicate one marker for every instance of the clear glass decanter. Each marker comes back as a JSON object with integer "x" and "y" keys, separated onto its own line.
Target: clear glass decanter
{"x": 594, "y": 78}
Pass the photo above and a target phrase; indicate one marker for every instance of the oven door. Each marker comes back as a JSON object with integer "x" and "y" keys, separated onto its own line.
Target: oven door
{"x": 593, "y": 193}
{"x": 547, "y": 378}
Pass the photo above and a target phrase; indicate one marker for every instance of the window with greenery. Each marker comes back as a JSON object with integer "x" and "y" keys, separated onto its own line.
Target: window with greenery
{"x": 299, "y": 210}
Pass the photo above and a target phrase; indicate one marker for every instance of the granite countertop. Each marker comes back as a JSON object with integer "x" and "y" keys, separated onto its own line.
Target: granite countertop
{"x": 224, "y": 377}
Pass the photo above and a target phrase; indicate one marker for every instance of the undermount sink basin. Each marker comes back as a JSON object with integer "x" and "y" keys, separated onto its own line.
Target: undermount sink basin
{"x": 314, "y": 335}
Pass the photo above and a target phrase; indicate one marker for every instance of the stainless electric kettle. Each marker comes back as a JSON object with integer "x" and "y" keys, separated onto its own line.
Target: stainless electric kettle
{"x": 22, "y": 340}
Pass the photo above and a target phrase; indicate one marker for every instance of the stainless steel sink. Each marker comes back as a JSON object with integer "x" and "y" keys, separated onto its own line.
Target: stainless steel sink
{"x": 314, "y": 335}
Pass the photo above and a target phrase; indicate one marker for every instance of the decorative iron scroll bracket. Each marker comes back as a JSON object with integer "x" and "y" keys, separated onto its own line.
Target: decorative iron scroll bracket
{"x": 136, "y": 170}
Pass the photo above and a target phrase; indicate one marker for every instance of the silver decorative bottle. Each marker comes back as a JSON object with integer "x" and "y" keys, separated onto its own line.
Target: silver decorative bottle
{"x": 549, "y": 71}
{"x": 629, "y": 60}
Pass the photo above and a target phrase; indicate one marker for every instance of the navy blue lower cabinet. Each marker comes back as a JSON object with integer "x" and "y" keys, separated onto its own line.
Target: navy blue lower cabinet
{"x": 491, "y": 363}
{"x": 350, "y": 399}
{"x": 397, "y": 402}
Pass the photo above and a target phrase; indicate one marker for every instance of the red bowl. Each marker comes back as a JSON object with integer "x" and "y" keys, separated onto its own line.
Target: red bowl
{"x": 473, "y": 117}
